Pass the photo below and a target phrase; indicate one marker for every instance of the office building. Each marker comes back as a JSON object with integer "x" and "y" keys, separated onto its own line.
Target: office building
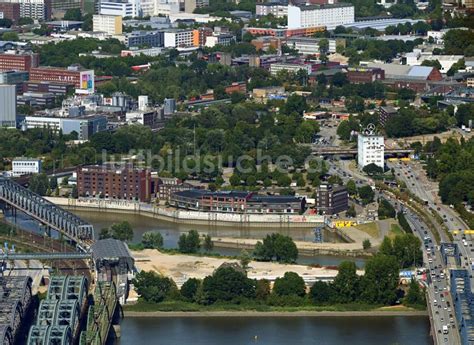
{"x": 13, "y": 60}
{"x": 151, "y": 39}
{"x": 290, "y": 67}
{"x": 107, "y": 23}
{"x": 10, "y": 10}
{"x": 55, "y": 88}
{"x": 121, "y": 8}
{"x": 274, "y": 8}
{"x": 370, "y": 149}
{"x": 309, "y": 45}
{"x": 37, "y": 100}
{"x": 236, "y": 202}
{"x": 331, "y": 199}
{"x": 181, "y": 38}
{"x": 81, "y": 78}
{"x": 191, "y": 5}
{"x": 8, "y": 106}
{"x": 114, "y": 182}
{"x": 328, "y": 15}
{"x": 220, "y": 39}
{"x": 25, "y": 166}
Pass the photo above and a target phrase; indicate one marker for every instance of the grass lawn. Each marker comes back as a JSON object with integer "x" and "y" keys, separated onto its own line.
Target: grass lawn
{"x": 371, "y": 229}
{"x": 395, "y": 230}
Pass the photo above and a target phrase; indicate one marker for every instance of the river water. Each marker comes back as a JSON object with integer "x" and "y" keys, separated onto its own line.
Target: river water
{"x": 386, "y": 330}
{"x": 171, "y": 232}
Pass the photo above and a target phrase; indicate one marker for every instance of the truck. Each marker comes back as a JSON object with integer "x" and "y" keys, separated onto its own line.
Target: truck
{"x": 445, "y": 329}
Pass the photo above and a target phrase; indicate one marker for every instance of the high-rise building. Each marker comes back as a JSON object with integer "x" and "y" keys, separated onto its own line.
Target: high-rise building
{"x": 107, "y": 23}
{"x": 191, "y": 5}
{"x": 145, "y": 38}
{"x": 34, "y": 9}
{"x": 59, "y": 7}
{"x": 276, "y": 9}
{"x": 16, "y": 78}
{"x": 370, "y": 149}
{"x": 8, "y": 106}
{"x": 328, "y": 15}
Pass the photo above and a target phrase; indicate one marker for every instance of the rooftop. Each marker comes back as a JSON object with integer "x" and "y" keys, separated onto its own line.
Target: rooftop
{"x": 323, "y": 6}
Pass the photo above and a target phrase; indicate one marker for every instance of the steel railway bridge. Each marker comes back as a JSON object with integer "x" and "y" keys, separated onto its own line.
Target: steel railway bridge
{"x": 60, "y": 314}
{"x": 71, "y": 226}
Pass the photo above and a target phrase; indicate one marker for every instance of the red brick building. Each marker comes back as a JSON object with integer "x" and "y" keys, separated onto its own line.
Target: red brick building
{"x": 70, "y": 75}
{"x": 362, "y": 75}
{"x": 10, "y": 11}
{"x": 240, "y": 87}
{"x": 18, "y": 62}
{"x": 114, "y": 182}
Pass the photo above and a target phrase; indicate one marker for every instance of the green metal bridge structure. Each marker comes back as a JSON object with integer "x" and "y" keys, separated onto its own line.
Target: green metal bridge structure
{"x": 101, "y": 314}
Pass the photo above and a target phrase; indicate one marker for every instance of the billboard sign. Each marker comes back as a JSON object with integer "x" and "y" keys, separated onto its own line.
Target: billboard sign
{"x": 87, "y": 81}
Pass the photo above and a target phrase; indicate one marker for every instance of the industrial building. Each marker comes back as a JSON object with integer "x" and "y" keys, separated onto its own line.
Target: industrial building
{"x": 81, "y": 78}
{"x": 13, "y": 60}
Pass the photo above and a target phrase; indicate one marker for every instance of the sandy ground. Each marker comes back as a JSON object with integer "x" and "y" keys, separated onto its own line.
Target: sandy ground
{"x": 182, "y": 267}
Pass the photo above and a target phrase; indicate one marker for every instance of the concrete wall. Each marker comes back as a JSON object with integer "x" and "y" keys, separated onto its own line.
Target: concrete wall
{"x": 192, "y": 217}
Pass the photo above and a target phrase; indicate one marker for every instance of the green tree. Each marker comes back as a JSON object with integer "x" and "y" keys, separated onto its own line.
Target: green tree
{"x": 10, "y": 36}
{"x": 380, "y": 281}
{"x": 346, "y": 283}
{"x": 351, "y": 187}
{"x": 262, "y": 289}
{"x": 321, "y": 293}
{"x": 189, "y": 243}
{"x": 386, "y": 247}
{"x": 291, "y": 284}
{"x": 386, "y": 210}
{"x": 190, "y": 289}
{"x": 351, "y": 212}
{"x": 227, "y": 284}
{"x": 415, "y": 296}
{"x": 122, "y": 231}
{"x": 152, "y": 240}
{"x": 276, "y": 246}
{"x": 372, "y": 169}
{"x": 39, "y": 184}
{"x": 25, "y": 21}
{"x": 366, "y": 194}
{"x": 104, "y": 234}
{"x": 153, "y": 287}
{"x": 366, "y": 244}
{"x": 73, "y": 14}
{"x": 208, "y": 243}
{"x": 244, "y": 259}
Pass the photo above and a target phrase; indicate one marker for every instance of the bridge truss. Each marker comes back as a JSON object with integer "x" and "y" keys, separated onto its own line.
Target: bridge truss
{"x": 35, "y": 206}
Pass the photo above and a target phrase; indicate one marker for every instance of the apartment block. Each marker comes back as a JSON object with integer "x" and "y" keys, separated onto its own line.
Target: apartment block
{"x": 328, "y": 15}
{"x": 110, "y": 24}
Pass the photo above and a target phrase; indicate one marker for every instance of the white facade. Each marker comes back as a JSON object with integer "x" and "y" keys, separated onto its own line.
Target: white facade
{"x": 308, "y": 45}
{"x": 112, "y": 25}
{"x": 330, "y": 16}
{"x": 175, "y": 39}
{"x": 370, "y": 149}
{"x": 43, "y": 122}
{"x": 157, "y": 7}
{"x": 25, "y": 166}
{"x": 127, "y": 9}
{"x": 277, "y": 10}
{"x": 294, "y": 68}
{"x": 34, "y": 9}
{"x": 8, "y": 106}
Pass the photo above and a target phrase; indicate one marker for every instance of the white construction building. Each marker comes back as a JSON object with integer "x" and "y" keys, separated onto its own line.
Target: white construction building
{"x": 25, "y": 166}
{"x": 328, "y": 15}
{"x": 370, "y": 149}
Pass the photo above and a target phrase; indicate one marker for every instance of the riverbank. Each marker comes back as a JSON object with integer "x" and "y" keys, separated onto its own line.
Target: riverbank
{"x": 181, "y": 267}
{"x": 252, "y": 313}
{"x": 179, "y": 216}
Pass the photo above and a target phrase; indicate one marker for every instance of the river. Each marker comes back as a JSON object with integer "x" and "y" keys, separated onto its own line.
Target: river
{"x": 171, "y": 232}
{"x": 386, "y": 330}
